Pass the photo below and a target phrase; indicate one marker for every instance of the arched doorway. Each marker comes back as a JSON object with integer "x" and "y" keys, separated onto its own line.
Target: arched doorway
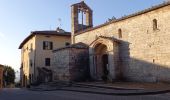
{"x": 105, "y": 67}
{"x": 101, "y": 62}
{"x": 104, "y": 57}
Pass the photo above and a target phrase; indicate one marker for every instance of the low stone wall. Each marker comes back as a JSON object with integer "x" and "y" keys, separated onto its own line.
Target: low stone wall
{"x": 70, "y": 64}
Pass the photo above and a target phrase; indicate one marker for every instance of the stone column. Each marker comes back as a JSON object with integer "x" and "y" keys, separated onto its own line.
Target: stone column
{"x": 111, "y": 62}
{"x": 92, "y": 63}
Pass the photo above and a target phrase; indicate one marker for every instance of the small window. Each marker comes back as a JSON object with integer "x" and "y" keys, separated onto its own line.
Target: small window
{"x": 120, "y": 33}
{"x": 47, "y": 45}
{"x": 155, "y": 24}
{"x": 67, "y": 44}
{"x": 47, "y": 62}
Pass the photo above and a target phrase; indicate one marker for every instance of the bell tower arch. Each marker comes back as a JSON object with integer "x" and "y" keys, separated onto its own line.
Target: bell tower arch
{"x": 81, "y": 18}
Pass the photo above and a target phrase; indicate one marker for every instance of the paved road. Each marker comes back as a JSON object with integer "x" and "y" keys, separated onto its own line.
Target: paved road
{"x": 23, "y": 94}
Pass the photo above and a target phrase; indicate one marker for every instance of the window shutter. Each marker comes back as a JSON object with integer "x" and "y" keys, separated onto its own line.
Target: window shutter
{"x": 51, "y": 45}
{"x": 43, "y": 45}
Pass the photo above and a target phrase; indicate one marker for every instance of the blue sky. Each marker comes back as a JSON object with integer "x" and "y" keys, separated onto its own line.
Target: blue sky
{"x": 19, "y": 17}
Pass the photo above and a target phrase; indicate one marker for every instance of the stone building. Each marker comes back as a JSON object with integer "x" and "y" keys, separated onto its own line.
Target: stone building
{"x": 1, "y": 76}
{"x": 132, "y": 48}
{"x": 36, "y": 54}
{"x": 70, "y": 63}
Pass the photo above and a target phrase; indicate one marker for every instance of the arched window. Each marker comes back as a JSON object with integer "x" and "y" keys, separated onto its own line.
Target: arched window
{"x": 155, "y": 24}
{"x": 120, "y": 33}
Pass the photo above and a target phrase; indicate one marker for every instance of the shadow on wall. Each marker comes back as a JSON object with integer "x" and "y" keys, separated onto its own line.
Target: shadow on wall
{"x": 80, "y": 70}
{"x": 133, "y": 69}
{"x": 144, "y": 71}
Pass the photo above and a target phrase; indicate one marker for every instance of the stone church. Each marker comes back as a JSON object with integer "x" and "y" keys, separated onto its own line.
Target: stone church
{"x": 132, "y": 48}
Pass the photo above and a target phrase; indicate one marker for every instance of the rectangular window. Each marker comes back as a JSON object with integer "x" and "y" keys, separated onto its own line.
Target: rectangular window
{"x": 47, "y": 62}
{"x": 47, "y": 45}
{"x": 155, "y": 24}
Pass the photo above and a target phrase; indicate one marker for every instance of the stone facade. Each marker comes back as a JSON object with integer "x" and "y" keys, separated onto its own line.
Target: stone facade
{"x": 70, "y": 63}
{"x": 143, "y": 50}
{"x": 132, "y": 48}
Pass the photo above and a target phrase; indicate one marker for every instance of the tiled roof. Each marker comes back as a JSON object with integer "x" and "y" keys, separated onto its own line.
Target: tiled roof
{"x": 126, "y": 17}
{"x": 53, "y": 33}
{"x": 108, "y": 38}
{"x": 79, "y": 45}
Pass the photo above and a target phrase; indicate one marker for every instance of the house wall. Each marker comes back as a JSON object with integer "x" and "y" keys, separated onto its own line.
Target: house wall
{"x": 27, "y": 54}
{"x": 144, "y": 52}
{"x": 38, "y": 55}
{"x": 58, "y": 42}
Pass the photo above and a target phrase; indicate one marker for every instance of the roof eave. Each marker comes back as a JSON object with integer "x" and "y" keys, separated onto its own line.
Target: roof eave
{"x": 126, "y": 17}
{"x": 35, "y": 33}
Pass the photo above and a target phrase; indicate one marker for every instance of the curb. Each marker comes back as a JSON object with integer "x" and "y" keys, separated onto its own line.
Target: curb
{"x": 106, "y": 87}
{"x": 123, "y": 94}
{"x": 104, "y": 93}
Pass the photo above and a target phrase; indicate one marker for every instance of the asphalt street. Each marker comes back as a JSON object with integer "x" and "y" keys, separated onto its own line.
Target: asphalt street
{"x": 24, "y": 94}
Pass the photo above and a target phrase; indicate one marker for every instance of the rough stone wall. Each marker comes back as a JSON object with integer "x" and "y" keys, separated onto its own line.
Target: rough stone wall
{"x": 70, "y": 64}
{"x": 144, "y": 52}
{"x": 60, "y": 65}
{"x": 79, "y": 66}
{"x": 75, "y": 18}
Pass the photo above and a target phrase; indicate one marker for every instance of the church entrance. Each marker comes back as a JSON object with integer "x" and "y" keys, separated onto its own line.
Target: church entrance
{"x": 101, "y": 62}
{"x": 104, "y": 59}
{"x": 105, "y": 67}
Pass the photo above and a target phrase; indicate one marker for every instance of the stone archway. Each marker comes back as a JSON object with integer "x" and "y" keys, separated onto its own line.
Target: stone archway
{"x": 101, "y": 61}
{"x": 104, "y": 55}
{"x": 99, "y": 51}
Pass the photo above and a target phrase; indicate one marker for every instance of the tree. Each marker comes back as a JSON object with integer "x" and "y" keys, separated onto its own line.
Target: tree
{"x": 9, "y": 75}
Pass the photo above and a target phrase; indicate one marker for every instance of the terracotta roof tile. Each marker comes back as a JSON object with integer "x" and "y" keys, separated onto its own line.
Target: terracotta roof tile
{"x": 79, "y": 45}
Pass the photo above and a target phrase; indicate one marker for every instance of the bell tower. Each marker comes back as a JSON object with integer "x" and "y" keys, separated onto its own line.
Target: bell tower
{"x": 81, "y": 18}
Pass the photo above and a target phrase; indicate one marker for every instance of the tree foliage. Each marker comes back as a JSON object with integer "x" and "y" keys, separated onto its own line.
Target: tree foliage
{"x": 9, "y": 75}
